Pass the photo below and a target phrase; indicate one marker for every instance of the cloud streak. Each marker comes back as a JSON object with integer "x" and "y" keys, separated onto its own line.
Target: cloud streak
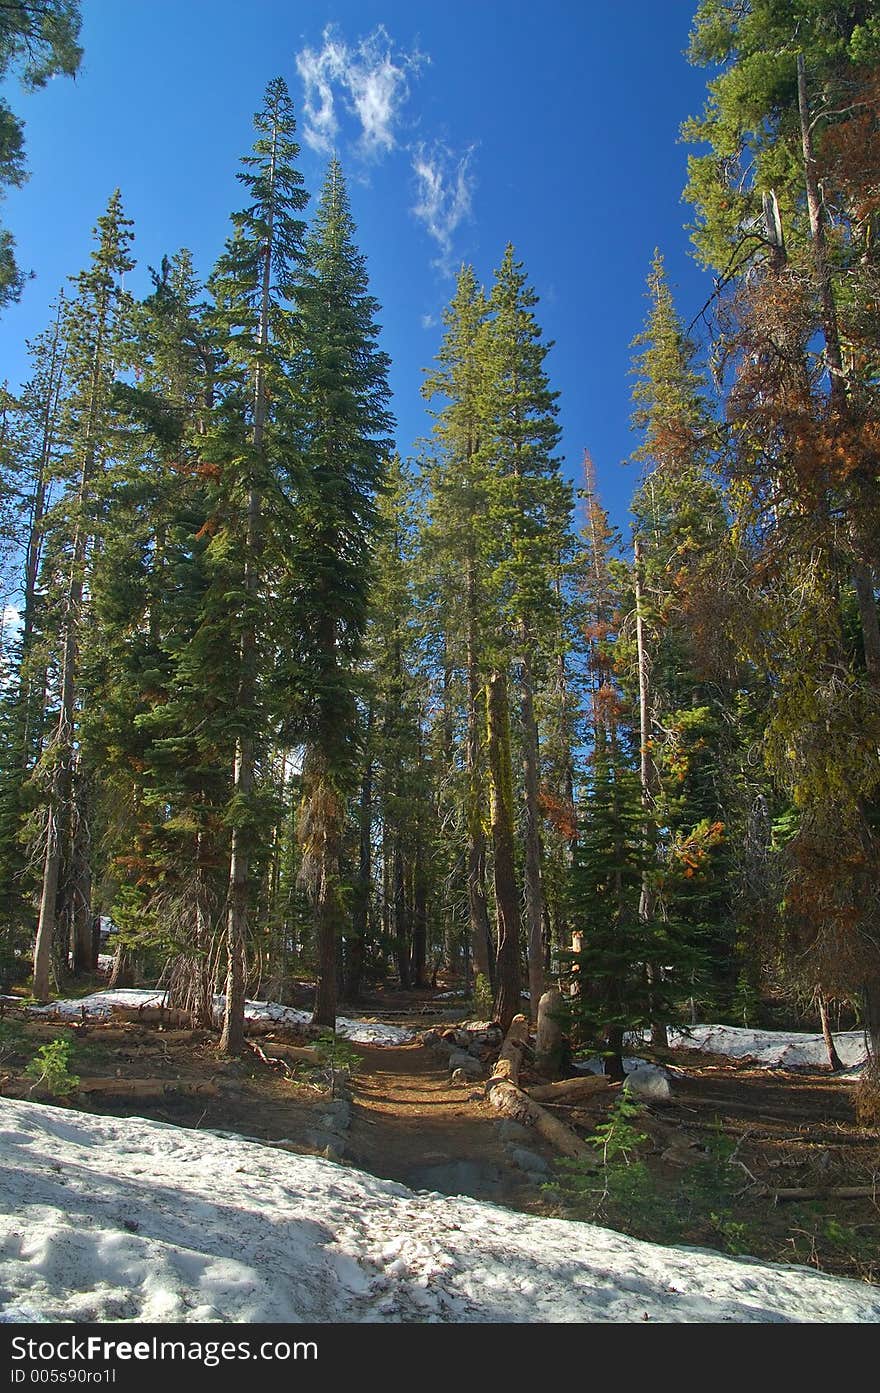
{"x": 369, "y": 80}
{"x": 444, "y": 194}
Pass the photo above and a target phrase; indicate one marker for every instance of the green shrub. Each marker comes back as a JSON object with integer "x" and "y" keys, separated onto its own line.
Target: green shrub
{"x": 50, "y": 1069}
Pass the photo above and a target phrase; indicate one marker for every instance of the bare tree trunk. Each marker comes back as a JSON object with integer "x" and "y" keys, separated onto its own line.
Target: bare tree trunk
{"x": 507, "y": 998}
{"x": 834, "y": 1059}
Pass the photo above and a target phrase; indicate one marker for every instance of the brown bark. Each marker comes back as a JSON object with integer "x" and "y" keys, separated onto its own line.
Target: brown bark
{"x": 478, "y": 909}
{"x": 506, "y": 1096}
{"x": 355, "y": 942}
{"x": 648, "y": 778}
{"x": 571, "y": 1090}
{"x": 534, "y": 887}
{"x": 549, "y": 1039}
{"x": 508, "y": 990}
{"x": 833, "y": 1057}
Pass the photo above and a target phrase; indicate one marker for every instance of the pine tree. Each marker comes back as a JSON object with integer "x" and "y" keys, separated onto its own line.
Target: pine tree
{"x": 529, "y": 513}
{"x": 254, "y": 284}
{"x": 680, "y": 526}
{"x": 96, "y": 331}
{"x": 341, "y": 424}
{"x": 29, "y": 450}
{"x": 454, "y": 550}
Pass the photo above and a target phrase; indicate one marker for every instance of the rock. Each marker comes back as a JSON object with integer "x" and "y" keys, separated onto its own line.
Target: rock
{"x": 466, "y": 1064}
{"x": 460, "y": 1078}
{"x": 336, "y": 1116}
{"x": 649, "y": 1084}
{"x": 530, "y": 1162}
{"x": 514, "y": 1132}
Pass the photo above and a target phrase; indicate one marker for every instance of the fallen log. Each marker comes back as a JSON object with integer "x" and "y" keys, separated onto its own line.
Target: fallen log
{"x": 838, "y": 1192}
{"x": 506, "y": 1096}
{"x": 153, "y": 1015}
{"x": 570, "y": 1090}
{"x": 148, "y": 1088}
{"x": 291, "y": 1054}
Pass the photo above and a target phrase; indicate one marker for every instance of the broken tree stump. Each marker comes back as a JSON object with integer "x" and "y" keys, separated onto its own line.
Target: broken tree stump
{"x": 505, "y": 1095}
{"x": 550, "y": 1041}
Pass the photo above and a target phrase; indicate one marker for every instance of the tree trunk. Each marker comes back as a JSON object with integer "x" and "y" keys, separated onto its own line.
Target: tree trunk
{"x": 871, "y": 1004}
{"x": 833, "y": 1057}
{"x": 329, "y": 925}
{"x": 549, "y": 1042}
{"x": 401, "y": 916}
{"x": 84, "y": 959}
{"x": 232, "y": 1037}
{"x": 420, "y": 915}
{"x": 478, "y": 910}
{"x": 533, "y": 881}
{"x": 356, "y": 941}
{"x": 507, "y": 998}
{"x": 649, "y": 782}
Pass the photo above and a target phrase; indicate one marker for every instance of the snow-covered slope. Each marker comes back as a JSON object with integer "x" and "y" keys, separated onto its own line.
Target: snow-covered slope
{"x": 123, "y": 1219}
{"x": 100, "y": 1004}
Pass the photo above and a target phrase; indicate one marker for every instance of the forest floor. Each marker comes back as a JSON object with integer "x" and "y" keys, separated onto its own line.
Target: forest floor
{"x": 700, "y": 1169}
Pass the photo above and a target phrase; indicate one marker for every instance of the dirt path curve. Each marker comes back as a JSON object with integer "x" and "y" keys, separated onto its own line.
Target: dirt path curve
{"x": 410, "y": 1124}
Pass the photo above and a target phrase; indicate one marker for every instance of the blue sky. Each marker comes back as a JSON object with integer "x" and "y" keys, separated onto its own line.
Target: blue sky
{"x": 460, "y": 126}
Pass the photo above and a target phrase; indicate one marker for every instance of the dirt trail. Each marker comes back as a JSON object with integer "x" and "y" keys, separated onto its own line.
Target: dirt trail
{"x": 410, "y": 1124}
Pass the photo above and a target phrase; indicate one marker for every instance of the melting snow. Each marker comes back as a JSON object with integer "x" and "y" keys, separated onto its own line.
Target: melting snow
{"x": 130, "y": 1220}
{"x": 774, "y": 1048}
{"x": 101, "y": 1004}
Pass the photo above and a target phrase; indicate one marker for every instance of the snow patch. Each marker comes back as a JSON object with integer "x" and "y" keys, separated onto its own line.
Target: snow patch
{"x": 100, "y": 1005}
{"x": 121, "y": 1219}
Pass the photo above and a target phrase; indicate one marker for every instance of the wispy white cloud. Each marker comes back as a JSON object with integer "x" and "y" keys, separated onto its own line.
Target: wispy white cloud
{"x": 429, "y": 321}
{"x": 444, "y": 194}
{"x": 370, "y": 79}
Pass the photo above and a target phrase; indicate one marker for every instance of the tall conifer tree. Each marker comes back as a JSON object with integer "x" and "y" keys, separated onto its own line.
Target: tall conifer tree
{"x": 342, "y": 426}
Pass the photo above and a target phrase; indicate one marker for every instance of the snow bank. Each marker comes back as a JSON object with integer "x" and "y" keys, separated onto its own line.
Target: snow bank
{"x": 100, "y": 1004}
{"x": 122, "y": 1219}
{"x": 776, "y": 1049}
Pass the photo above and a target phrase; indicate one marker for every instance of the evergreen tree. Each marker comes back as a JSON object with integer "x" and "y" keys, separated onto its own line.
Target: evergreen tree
{"x": 253, "y": 286}
{"x": 528, "y": 516}
{"x": 680, "y": 527}
{"x": 38, "y": 41}
{"x": 454, "y": 546}
{"x": 341, "y": 422}
{"x": 96, "y": 330}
